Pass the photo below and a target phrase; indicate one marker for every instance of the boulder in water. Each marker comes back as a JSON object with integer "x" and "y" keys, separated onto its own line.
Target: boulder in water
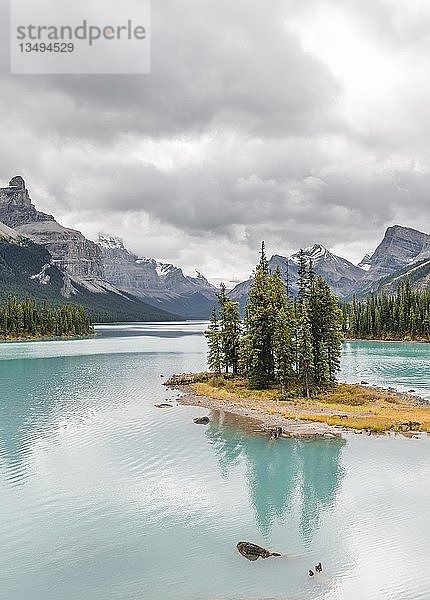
{"x": 163, "y": 405}
{"x": 201, "y": 420}
{"x": 253, "y": 552}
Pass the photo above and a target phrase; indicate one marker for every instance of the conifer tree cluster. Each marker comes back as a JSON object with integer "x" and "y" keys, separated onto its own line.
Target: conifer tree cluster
{"x": 27, "y": 318}
{"x": 295, "y": 344}
{"x": 405, "y": 315}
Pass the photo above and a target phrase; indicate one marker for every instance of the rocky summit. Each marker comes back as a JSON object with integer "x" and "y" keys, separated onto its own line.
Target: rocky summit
{"x": 401, "y": 246}
{"x": 160, "y": 284}
{"x": 70, "y": 250}
{"x": 16, "y": 208}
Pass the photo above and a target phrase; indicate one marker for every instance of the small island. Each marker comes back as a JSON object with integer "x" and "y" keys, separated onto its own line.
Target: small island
{"x": 27, "y": 319}
{"x": 279, "y": 364}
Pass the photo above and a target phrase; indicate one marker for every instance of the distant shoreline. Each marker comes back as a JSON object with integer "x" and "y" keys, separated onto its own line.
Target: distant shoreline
{"x": 45, "y": 338}
{"x": 403, "y": 340}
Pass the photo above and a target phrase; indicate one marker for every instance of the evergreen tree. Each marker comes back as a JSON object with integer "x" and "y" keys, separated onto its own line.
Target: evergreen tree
{"x": 326, "y": 322}
{"x": 213, "y": 335}
{"x": 305, "y": 351}
{"x": 284, "y": 348}
{"x": 404, "y": 315}
{"x": 257, "y": 345}
{"x": 303, "y": 278}
{"x": 230, "y": 335}
{"x": 26, "y": 318}
{"x": 229, "y": 331}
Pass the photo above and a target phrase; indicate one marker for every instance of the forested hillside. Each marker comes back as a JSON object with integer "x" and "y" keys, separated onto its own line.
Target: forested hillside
{"x": 404, "y": 315}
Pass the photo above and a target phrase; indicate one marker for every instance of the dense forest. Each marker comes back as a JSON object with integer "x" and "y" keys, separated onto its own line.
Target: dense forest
{"x": 28, "y": 319}
{"x": 404, "y": 315}
{"x": 293, "y": 343}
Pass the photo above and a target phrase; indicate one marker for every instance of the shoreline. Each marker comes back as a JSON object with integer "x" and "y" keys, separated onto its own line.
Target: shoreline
{"x": 398, "y": 340}
{"x": 296, "y": 428}
{"x": 45, "y": 338}
{"x": 279, "y": 419}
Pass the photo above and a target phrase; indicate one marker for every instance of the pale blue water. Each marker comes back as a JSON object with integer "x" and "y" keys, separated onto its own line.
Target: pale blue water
{"x": 103, "y": 496}
{"x": 402, "y": 365}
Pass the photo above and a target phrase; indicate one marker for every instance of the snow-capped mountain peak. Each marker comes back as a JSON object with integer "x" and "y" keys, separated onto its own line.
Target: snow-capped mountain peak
{"x": 365, "y": 262}
{"x": 162, "y": 284}
{"x": 315, "y": 252}
{"x": 110, "y": 241}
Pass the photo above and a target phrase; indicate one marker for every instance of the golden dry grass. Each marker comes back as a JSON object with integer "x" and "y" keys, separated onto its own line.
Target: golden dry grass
{"x": 352, "y": 406}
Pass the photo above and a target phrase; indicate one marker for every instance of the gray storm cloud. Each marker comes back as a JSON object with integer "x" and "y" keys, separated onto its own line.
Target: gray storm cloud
{"x": 259, "y": 120}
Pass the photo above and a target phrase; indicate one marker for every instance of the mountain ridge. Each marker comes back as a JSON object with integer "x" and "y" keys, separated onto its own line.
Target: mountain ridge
{"x": 160, "y": 284}
{"x": 108, "y": 267}
{"x": 339, "y": 273}
{"x": 71, "y": 269}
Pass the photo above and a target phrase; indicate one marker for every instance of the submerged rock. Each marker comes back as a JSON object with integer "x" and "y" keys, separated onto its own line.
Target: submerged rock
{"x": 253, "y": 552}
{"x": 275, "y": 432}
{"x": 201, "y": 420}
{"x": 163, "y": 406}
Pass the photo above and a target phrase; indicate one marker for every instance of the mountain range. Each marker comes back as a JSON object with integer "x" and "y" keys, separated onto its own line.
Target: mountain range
{"x": 402, "y": 252}
{"x": 42, "y": 258}
{"x": 159, "y": 284}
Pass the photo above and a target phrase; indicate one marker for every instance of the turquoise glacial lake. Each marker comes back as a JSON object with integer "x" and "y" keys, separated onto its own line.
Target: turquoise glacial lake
{"x": 105, "y": 497}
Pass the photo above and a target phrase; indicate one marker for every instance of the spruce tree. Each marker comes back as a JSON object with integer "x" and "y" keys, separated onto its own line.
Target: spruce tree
{"x": 305, "y": 351}
{"x": 326, "y": 322}
{"x": 213, "y": 336}
{"x": 230, "y": 335}
{"x": 257, "y": 344}
{"x": 303, "y": 278}
{"x": 230, "y": 331}
{"x": 284, "y": 348}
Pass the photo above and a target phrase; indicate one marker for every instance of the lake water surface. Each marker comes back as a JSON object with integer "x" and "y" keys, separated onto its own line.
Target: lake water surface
{"x": 105, "y": 497}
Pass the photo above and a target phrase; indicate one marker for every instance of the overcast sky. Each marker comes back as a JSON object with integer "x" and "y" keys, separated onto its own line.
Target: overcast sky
{"x": 292, "y": 121}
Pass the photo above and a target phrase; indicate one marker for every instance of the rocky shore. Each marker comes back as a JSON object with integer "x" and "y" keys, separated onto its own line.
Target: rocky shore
{"x": 295, "y": 428}
{"x": 280, "y": 419}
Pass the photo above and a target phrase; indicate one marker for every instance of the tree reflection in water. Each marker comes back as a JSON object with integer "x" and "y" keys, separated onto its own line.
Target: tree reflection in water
{"x": 284, "y": 476}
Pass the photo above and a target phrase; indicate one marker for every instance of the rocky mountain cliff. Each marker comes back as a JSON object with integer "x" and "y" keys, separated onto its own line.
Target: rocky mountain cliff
{"x": 41, "y": 258}
{"x": 16, "y": 207}
{"x": 418, "y": 274}
{"x": 400, "y": 247}
{"x": 6, "y": 233}
{"x": 70, "y": 250}
{"x": 160, "y": 284}
{"x": 27, "y": 269}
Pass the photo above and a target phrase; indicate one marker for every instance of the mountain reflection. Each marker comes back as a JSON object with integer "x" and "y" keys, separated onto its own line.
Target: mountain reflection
{"x": 283, "y": 476}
